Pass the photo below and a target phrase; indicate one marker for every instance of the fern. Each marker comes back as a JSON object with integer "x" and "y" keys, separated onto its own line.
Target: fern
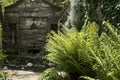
{"x": 107, "y": 56}
{"x": 85, "y": 52}
{"x": 70, "y": 49}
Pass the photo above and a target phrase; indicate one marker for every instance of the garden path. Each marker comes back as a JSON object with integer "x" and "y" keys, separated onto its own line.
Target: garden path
{"x": 23, "y": 75}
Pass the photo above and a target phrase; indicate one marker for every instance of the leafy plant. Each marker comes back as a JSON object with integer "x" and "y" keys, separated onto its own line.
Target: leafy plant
{"x": 107, "y": 55}
{"x": 2, "y": 57}
{"x": 69, "y": 49}
{"x": 52, "y": 74}
{"x": 5, "y": 76}
{"x": 85, "y": 52}
{"x": 7, "y": 2}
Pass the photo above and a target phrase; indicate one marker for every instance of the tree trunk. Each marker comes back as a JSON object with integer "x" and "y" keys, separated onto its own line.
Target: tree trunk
{"x": 76, "y": 14}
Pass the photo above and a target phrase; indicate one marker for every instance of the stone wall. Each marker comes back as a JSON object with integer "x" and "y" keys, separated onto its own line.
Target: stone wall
{"x": 27, "y": 25}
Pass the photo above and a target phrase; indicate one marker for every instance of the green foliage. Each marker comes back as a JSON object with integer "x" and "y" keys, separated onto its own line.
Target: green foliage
{"x": 111, "y": 11}
{"x": 107, "y": 56}
{"x": 105, "y": 10}
{"x": 51, "y": 74}
{"x": 7, "y": 2}
{"x": 98, "y": 10}
{"x": 70, "y": 49}
{"x": 2, "y": 57}
{"x": 84, "y": 52}
{"x": 5, "y": 76}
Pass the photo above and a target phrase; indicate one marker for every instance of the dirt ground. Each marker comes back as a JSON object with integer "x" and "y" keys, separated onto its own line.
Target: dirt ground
{"x": 23, "y": 75}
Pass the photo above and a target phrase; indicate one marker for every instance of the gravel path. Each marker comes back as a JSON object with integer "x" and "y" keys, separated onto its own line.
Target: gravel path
{"x": 23, "y": 75}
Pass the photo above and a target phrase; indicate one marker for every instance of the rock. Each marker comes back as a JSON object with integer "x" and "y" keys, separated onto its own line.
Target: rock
{"x": 29, "y": 65}
{"x": 64, "y": 75}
